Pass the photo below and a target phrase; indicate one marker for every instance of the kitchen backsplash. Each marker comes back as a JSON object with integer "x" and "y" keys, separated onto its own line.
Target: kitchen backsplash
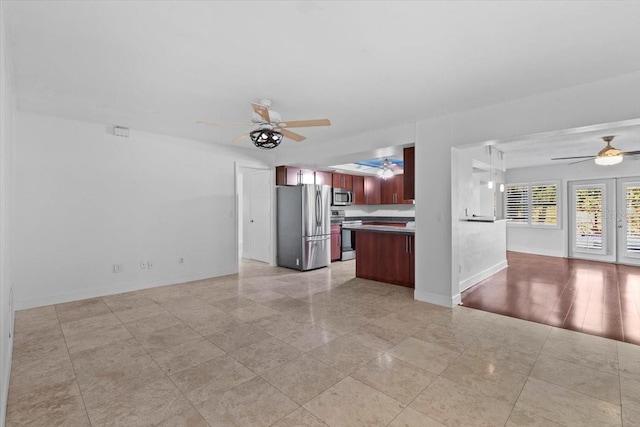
{"x": 379, "y": 210}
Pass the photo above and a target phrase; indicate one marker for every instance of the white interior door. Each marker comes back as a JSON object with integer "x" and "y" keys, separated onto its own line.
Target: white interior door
{"x": 591, "y": 223}
{"x": 628, "y": 221}
{"x": 258, "y": 231}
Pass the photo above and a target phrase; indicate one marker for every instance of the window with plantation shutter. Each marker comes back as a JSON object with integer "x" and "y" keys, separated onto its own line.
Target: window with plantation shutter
{"x": 544, "y": 204}
{"x": 532, "y": 204}
{"x": 517, "y": 203}
{"x": 632, "y": 218}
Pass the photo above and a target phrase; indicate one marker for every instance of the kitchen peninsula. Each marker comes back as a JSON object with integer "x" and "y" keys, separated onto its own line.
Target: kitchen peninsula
{"x": 385, "y": 253}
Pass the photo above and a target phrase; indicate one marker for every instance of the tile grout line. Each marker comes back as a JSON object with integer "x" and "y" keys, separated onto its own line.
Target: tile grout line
{"x": 75, "y": 373}
{"x": 620, "y": 385}
{"x": 430, "y": 383}
{"x": 156, "y": 363}
{"x": 622, "y": 332}
{"x": 529, "y": 376}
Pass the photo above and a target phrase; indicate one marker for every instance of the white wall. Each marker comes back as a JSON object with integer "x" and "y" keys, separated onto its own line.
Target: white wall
{"x": 86, "y": 200}
{"x": 481, "y": 245}
{"x": 554, "y": 242}
{"x": 7, "y": 114}
{"x": 375, "y": 143}
{"x": 437, "y": 225}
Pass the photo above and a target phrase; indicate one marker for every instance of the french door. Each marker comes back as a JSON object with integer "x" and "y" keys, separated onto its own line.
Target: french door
{"x": 604, "y": 220}
{"x": 628, "y": 221}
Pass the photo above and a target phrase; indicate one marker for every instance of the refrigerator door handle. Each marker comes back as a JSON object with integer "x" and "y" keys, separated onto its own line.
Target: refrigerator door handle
{"x": 318, "y": 207}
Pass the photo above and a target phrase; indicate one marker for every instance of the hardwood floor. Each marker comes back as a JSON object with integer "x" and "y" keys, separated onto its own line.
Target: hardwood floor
{"x": 586, "y": 296}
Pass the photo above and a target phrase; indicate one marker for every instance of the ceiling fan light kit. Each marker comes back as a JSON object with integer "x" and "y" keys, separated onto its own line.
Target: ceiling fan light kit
{"x": 608, "y": 156}
{"x": 385, "y": 172}
{"x": 608, "y": 160}
{"x": 266, "y": 138}
{"x": 271, "y": 129}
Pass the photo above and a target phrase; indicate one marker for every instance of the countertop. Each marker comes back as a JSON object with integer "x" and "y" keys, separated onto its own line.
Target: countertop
{"x": 482, "y": 219}
{"x": 381, "y": 218}
{"x": 381, "y": 229}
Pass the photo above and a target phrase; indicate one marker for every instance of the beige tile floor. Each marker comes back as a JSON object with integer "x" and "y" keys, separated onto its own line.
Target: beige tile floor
{"x": 275, "y": 347}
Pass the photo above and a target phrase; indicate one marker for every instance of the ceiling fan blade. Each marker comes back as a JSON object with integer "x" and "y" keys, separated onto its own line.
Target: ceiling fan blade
{"x": 304, "y": 123}
{"x": 581, "y": 161}
{"x": 262, "y": 111}
{"x": 631, "y": 153}
{"x": 241, "y": 137}
{"x": 292, "y": 135}
{"x": 214, "y": 123}
{"x": 575, "y": 157}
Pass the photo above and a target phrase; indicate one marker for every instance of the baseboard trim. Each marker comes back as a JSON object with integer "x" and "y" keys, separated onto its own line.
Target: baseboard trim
{"x": 544, "y": 252}
{"x": 476, "y": 278}
{"x": 111, "y": 290}
{"x": 436, "y": 298}
{"x": 7, "y": 376}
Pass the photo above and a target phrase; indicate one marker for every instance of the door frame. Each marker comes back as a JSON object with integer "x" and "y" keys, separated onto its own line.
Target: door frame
{"x": 611, "y": 214}
{"x": 620, "y": 217}
{"x": 609, "y": 233}
{"x": 240, "y": 167}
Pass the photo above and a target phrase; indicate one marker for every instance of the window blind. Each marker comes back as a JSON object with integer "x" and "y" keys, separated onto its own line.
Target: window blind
{"x": 544, "y": 204}
{"x": 517, "y": 201}
{"x": 632, "y": 212}
{"x": 588, "y": 232}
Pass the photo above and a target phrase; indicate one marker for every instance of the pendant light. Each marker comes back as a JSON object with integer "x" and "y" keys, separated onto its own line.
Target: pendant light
{"x": 502, "y": 170}
{"x": 490, "y": 183}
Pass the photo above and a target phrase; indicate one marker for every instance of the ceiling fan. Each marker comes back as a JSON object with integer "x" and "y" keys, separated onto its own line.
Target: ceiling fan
{"x": 606, "y": 157}
{"x": 271, "y": 128}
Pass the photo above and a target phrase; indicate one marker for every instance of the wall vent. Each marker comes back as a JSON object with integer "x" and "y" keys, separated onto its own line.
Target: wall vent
{"x": 121, "y": 131}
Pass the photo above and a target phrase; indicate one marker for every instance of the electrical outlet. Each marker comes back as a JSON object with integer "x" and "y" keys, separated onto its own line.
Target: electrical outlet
{"x": 180, "y": 260}
{"x": 143, "y": 265}
{"x": 118, "y": 268}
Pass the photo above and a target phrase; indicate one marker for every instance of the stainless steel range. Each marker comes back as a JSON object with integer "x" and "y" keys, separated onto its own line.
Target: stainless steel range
{"x": 348, "y": 249}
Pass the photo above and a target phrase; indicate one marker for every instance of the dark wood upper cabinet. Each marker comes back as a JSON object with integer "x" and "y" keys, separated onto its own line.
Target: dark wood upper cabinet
{"x": 392, "y": 191}
{"x": 358, "y": 190}
{"x": 291, "y": 175}
{"x": 372, "y": 190}
{"x": 389, "y": 191}
{"x": 341, "y": 180}
{"x": 409, "y": 173}
{"x": 323, "y": 178}
{"x": 287, "y": 175}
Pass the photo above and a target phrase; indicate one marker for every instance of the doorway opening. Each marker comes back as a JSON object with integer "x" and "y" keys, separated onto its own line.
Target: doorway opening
{"x": 604, "y": 220}
{"x": 254, "y": 222}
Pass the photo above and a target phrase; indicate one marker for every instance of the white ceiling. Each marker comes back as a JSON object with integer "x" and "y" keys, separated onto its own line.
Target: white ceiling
{"x": 160, "y": 66}
{"x": 538, "y": 150}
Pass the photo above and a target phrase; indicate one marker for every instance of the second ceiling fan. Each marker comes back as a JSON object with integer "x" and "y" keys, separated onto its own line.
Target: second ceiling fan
{"x": 606, "y": 157}
{"x": 271, "y": 128}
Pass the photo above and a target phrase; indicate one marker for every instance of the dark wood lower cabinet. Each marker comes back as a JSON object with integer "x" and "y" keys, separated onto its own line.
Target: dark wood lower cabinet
{"x": 385, "y": 257}
{"x": 336, "y": 243}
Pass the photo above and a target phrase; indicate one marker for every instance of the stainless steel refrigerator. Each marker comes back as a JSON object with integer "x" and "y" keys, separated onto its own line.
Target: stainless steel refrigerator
{"x": 304, "y": 226}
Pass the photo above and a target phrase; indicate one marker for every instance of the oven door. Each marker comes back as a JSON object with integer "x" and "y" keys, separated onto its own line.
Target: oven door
{"x": 348, "y": 249}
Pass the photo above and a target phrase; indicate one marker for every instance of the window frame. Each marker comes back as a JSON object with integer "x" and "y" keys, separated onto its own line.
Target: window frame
{"x": 530, "y": 223}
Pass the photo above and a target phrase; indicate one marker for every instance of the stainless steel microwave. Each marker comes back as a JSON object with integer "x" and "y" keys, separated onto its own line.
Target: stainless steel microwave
{"x": 342, "y": 197}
